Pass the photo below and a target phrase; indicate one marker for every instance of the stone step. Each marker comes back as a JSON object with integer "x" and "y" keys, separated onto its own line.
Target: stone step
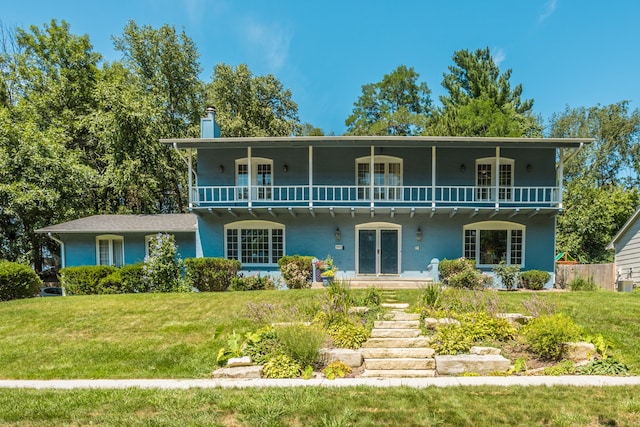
{"x": 455, "y": 365}
{"x": 396, "y": 324}
{"x": 396, "y": 342}
{"x": 399, "y": 364}
{"x": 400, "y": 305}
{"x": 396, "y": 373}
{"x": 394, "y": 333}
{"x": 392, "y": 353}
{"x": 405, "y": 316}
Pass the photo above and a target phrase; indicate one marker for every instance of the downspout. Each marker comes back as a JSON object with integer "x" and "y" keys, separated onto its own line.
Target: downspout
{"x": 63, "y": 261}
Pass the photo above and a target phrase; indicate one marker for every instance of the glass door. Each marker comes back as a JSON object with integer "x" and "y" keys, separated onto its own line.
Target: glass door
{"x": 378, "y": 251}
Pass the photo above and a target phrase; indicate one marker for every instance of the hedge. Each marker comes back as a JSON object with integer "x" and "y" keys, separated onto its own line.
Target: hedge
{"x": 85, "y": 280}
{"x": 296, "y": 270}
{"x": 534, "y": 279}
{"x": 211, "y": 274}
{"x": 127, "y": 279}
{"x": 17, "y": 281}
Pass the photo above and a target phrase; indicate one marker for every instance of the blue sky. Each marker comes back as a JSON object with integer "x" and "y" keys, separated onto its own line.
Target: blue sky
{"x": 564, "y": 52}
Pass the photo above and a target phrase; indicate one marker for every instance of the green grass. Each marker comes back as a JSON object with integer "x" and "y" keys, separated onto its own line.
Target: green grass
{"x": 171, "y": 335}
{"x": 318, "y": 406}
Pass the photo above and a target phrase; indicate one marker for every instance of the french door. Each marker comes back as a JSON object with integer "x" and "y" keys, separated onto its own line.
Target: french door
{"x": 378, "y": 250}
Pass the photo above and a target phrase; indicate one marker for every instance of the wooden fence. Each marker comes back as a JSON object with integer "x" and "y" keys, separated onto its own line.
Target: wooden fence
{"x": 604, "y": 275}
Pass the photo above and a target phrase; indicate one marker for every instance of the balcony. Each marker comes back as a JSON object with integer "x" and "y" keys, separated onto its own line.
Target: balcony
{"x": 351, "y": 196}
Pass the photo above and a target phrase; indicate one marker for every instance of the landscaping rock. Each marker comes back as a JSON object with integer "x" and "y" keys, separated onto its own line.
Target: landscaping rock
{"x": 579, "y": 351}
{"x": 405, "y": 316}
{"x": 396, "y": 342}
{"x": 400, "y": 324}
{"x": 399, "y": 305}
{"x": 516, "y": 319}
{"x": 433, "y": 323}
{"x": 458, "y": 364}
{"x": 352, "y": 358}
{"x": 395, "y": 333}
{"x": 396, "y": 373}
{"x": 239, "y": 361}
{"x": 389, "y": 353}
{"x": 400, "y": 364}
{"x": 484, "y": 350}
{"x": 254, "y": 371}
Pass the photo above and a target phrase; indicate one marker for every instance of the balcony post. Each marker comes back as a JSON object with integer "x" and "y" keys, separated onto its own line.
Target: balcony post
{"x": 497, "y": 178}
{"x": 560, "y": 178}
{"x": 310, "y": 176}
{"x": 371, "y": 176}
{"x": 190, "y": 178}
{"x": 433, "y": 176}
{"x": 250, "y": 174}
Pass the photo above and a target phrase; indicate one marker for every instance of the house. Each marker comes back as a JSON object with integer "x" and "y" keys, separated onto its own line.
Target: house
{"x": 381, "y": 206}
{"x": 626, "y": 247}
{"x": 119, "y": 239}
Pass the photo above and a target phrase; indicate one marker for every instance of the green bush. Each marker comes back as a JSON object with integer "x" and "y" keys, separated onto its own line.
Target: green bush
{"x": 346, "y": 334}
{"x": 264, "y": 347}
{"x": 336, "y": 369}
{"x": 296, "y": 271}
{"x": 301, "y": 343}
{"x": 252, "y": 283}
{"x": 466, "y": 279}
{"x": 545, "y": 335}
{"x": 481, "y": 325}
{"x": 607, "y": 366}
{"x": 17, "y": 281}
{"x": 127, "y": 279}
{"x": 162, "y": 269}
{"x": 451, "y": 339}
{"x": 450, "y": 267}
{"x": 85, "y": 280}
{"x": 507, "y": 274}
{"x": 211, "y": 274}
{"x": 281, "y": 366}
{"x": 582, "y": 284}
{"x": 534, "y": 279}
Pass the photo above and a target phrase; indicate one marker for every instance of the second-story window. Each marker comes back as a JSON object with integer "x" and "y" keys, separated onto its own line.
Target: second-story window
{"x": 487, "y": 177}
{"x": 387, "y": 178}
{"x": 261, "y": 178}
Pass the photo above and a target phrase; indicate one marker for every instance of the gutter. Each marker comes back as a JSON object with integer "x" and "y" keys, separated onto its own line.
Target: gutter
{"x": 63, "y": 260}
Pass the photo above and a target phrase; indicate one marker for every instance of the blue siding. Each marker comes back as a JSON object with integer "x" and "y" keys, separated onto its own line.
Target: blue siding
{"x": 80, "y": 249}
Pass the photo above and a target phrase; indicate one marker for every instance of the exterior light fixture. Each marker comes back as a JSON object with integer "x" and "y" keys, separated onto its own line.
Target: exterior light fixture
{"x": 285, "y": 168}
{"x": 419, "y": 235}
{"x": 221, "y": 168}
{"x": 529, "y": 167}
{"x": 338, "y": 234}
{"x": 462, "y": 167}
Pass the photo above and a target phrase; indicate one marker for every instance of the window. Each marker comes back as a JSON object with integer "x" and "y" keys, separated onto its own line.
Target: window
{"x": 486, "y": 178}
{"x": 387, "y": 178}
{"x": 254, "y": 242}
{"x": 491, "y": 242}
{"x": 110, "y": 250}
{"x": 261, "y": 178}
{"x": 147, "y": 243}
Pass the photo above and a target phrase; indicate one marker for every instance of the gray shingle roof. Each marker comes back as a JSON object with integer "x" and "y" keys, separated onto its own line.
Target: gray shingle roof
{"x": 126, "y": 223}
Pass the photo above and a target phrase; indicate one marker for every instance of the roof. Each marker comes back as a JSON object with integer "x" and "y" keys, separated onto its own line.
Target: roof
{"x": 405, "y": 141}
{"x": 126, "y": 223}
{"x": 623, "y": 230}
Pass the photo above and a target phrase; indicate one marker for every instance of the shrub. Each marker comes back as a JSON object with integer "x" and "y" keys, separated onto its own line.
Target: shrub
{"x": 430, "y": 296}
{"x": 481, "y": 325}
{"x": 450, "y": 267}
{"x": 211, "y": 274}
{"x": 467, "y": 279}
{"x": 371, "y": 298}
{"x": 281, "y": 366}
{"x": 582, "y": 284}
{"x": 301, "y": 343}
{"x": 346, "y": 334}
{"x": 127, "y": 279}
{"x": 507, "y": 274}
{"x": 17, "y": 281}
{"x": 534, "y": 279}
{"x": 546, "y": 335}
{"x": 163, "y": 267}
{"x": 566, "y": 367}
{"x": 264, "y": 347}
{"x": 608, "y": 366}
{"x": 336, "y": 369}
{"x": 296, "y": 271}
{"x": 85, "y": 280}
{"x": 451, "y": 339}
{"x": 252, "y": 283}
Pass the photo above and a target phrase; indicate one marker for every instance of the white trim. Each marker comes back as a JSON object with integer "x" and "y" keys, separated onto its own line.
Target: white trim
{"x": 372, "y": 160}
{"x": 109, "y": 238}
{"x": 494, "y": 186}
{"x": 495, "y": 226}
{"x": 377, "y": 226}
{"x": 252, "y": 176}
{"x": 255, "y": 225}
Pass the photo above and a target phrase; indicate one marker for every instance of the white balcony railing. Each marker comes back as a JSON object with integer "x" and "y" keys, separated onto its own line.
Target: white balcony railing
{"x": 351, "y": 195}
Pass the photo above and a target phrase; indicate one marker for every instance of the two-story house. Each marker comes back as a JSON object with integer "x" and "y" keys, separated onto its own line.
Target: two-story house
{"x": 379, "y": 205}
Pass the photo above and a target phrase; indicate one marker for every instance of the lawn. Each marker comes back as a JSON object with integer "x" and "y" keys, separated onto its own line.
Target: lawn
{"x": 318, "y": 406}
{"x": 171, "y": 335}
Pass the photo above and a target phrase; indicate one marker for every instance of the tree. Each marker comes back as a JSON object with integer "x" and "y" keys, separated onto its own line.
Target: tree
{"x": 249, "y": 105}
{"x": 397, "y": 105}
{"x": 480, "y": 100}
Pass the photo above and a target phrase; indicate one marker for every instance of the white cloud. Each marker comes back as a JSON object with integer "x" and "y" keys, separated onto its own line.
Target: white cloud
{"x": 499, "y": 55}
{"x": 549, "y": 8}
{"x": 271, "y": 41}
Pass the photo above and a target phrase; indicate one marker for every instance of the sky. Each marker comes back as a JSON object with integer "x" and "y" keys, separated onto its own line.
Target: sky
{"x": 576, "y": 53}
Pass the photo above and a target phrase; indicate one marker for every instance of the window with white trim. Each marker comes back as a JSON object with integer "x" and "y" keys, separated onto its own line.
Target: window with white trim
{"x": 387, "y": 177}
{"x": 491, "y": 242}
{"x": 110, "y": 250}
{"x": 486, "y": 178}
{"x": 254, "y": 242}
{"x": 261, "y": 178}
